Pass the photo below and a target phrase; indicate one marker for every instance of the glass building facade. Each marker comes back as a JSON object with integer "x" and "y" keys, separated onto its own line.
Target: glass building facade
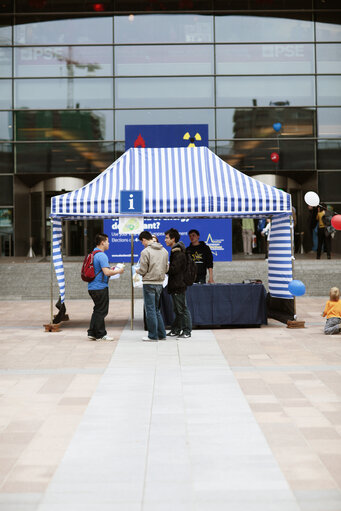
{"x": 74, "y": 73}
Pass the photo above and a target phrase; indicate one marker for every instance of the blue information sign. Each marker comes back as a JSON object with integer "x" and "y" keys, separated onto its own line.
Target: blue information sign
{"x": 131, "y": 202}
{"x": 216, "y": 233}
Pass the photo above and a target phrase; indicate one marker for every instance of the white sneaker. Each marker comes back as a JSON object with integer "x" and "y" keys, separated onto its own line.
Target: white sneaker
{"x": 147, "y": 339}
{"x": 92, "y": 338}
{"x": 105, "y": 338}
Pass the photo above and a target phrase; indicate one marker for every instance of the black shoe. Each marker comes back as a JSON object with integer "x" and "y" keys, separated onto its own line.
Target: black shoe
{"x": 172, "y": 334}
{"x": 183, "y": 336}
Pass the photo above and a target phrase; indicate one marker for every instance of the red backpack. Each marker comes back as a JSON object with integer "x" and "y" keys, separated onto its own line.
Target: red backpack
{"x": 88, "y": 270}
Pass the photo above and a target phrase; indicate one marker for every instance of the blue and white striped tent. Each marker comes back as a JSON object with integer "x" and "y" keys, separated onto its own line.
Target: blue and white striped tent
{"x": 182, "y": 182}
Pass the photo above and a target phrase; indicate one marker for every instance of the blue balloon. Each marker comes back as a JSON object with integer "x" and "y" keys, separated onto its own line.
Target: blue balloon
{"x": 277, "y": 126}
{"x": 296, "y": 288}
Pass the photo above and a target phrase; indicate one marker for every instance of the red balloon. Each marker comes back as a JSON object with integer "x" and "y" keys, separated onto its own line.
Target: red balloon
{"x": 336, "y": 222}
{"x": 274, "y": 157}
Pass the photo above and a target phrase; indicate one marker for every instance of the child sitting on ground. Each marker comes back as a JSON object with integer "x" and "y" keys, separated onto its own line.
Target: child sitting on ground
{"x": 333, "y": 312}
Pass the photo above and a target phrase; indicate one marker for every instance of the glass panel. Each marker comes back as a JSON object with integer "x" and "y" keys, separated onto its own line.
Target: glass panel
{"x": 6, "y": 158}
{"x": 61, "y": 6}
{"x": 5, "y": 62}
{"x": 123, "y": 117}
{"x": 172, "y": 5}
{"x": 160, "y": 28}
{"x": 231, "y": 28}
{"x": 64, "y": 93}
{"x": 265, "y": 59}
{"x": 6, "y": 126}
{"x": 329, "y": 154}
{"x": 6, "y": 220}
{"x": 163, "y": 60}
{"x": 64, "y": 125}
{"x": 5, "y": 94}
{"x": 254, "y": 155}
{"x": 64, "y": 158}
{"x": 164, "y": 92}
{"x": 5, "y": 32}
{"x": 257, "y": 4}
{"x": 328, "y": 57}
{"x": 258, "y": 122}
{"x": 328, "y": 27}
{"x": 65, "y": 31}
{"x": 329, "y": 90}
{"x": 6, "y": 190}
{"x": 265, "y": 91}
{"x": 330, "y": 187}
{"x": 64, "y": 61}
{"x": 329, "y": 122}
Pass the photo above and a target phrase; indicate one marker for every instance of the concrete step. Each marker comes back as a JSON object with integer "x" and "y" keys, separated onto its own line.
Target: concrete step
{"x": 30, "y": 279}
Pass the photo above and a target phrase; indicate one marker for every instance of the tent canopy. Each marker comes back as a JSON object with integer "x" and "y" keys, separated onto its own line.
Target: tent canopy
{"x": 181, "y": 182}
{"x": 176, "y": 182}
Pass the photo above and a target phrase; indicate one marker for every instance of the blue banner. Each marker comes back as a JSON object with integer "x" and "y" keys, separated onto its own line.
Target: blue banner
{"x": 216, "y": 232}
{"x": 166, "y": 135}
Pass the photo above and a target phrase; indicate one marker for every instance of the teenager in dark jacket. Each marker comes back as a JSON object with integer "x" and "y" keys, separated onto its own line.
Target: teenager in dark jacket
{"x": 202, "y": 256}
{"x": 182, "y": 324}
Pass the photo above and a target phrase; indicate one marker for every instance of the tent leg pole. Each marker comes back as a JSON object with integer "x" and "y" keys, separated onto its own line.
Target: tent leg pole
{"x": 51, "y": 270}
{"x": 292, "y": 254}
{"x": 131, "y": 283}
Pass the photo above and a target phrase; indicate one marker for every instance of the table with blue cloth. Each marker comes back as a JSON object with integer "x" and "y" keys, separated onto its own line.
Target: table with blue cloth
{"x": 221, "y": 305}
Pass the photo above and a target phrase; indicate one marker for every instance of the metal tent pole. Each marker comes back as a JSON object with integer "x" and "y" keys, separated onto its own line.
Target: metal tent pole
{"x": 51, "y": 269}
{"x": 131, "y": 283}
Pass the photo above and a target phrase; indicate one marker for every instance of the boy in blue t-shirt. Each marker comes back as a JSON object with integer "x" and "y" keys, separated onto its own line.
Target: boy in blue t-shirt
{"x": 98, "y": 290}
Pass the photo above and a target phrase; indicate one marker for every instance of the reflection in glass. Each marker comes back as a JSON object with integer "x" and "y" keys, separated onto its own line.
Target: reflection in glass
{"x": 5, "y": 94}
{"x": 63, "y": 61}
{"x": 164, "y": 92}
{"x": 328, "y": 58}
{"x": 265, "y": 91}
{"x": 330, "y": 187}
{"x": 163, "y": 60}
{"x": 64, "y": 125}
{"x": 93, "y": 30}
{"x": 64, "y": 93}
{"x": 6, "y": 158}
{"x": 329, "y": 90}
{"x": 254, "y": 155}
{"x": 236, "y": 29}
{"x": 5, "y": 33}
{"x": 6, "y": 126}
{"x": 6, "y": 190}
{"x": 328, "y": 31}
{"x": 6, "y": 220}
{"x": 5, "y": 62}
{"x": 258, "y": 122}
{"x": 264, "y": 59}
{"x": 64, "y": 158}
{"x": 329, "y": 154}
{"x": 190, "y": 116}
{"x": 329, "y": 122}
{"x": 158, "y": 28}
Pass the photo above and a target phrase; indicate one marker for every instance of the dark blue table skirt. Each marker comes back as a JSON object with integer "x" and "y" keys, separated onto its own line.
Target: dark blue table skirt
{"x": 221, "y": 304}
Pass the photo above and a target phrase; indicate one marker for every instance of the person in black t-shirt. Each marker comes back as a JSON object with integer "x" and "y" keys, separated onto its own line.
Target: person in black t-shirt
{"x": 202, "y": 256}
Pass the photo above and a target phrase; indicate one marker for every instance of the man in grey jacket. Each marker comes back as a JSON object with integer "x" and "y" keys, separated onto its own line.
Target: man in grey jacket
{"x": 153, "y": 267}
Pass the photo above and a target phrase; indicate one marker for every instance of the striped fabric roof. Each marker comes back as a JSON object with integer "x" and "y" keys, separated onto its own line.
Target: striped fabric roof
{"x": 175, "y": 181}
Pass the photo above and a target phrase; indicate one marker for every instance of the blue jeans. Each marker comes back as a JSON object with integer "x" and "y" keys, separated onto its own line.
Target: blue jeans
{"x": 183, "y": 318}
{"x": 155, "y": 325}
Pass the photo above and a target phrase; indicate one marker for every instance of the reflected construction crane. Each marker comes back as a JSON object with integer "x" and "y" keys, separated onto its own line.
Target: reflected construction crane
{"x": 70, "y": 65}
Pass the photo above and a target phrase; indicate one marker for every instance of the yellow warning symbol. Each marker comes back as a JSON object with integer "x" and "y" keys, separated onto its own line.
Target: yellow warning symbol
{"x": 192, "y": 140}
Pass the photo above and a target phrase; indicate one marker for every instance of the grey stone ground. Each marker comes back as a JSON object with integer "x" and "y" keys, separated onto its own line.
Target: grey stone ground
{"x": 235, "y": 419}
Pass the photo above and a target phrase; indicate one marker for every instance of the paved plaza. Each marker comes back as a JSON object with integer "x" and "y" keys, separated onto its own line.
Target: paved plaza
{"x": 242, "y": 419}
